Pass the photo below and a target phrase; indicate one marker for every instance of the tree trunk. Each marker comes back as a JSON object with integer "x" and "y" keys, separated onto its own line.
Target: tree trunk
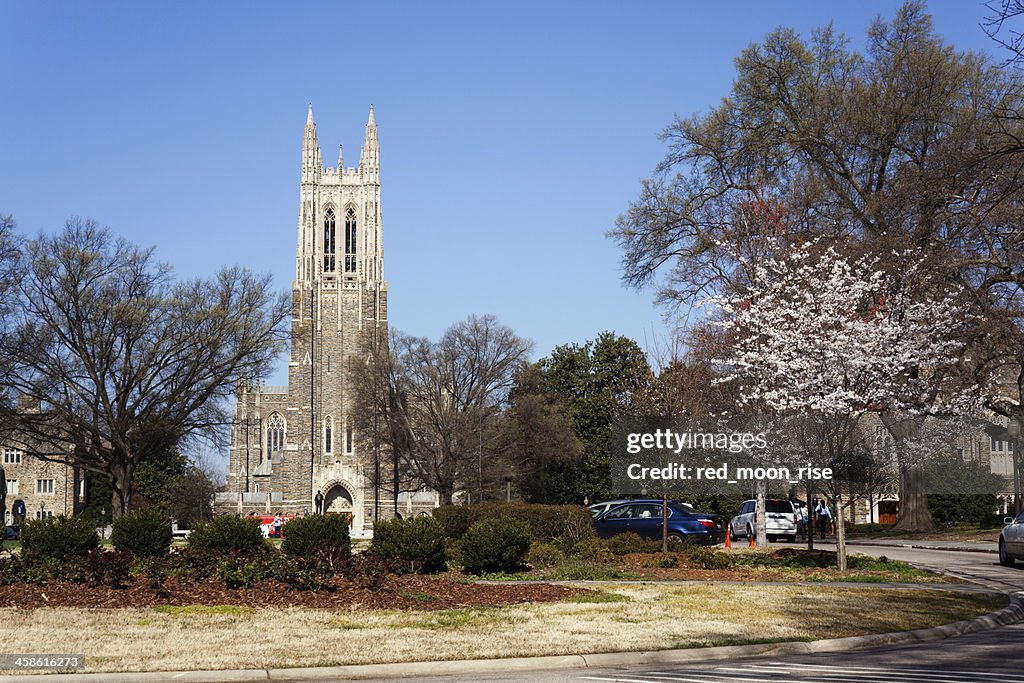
{"x": 914, "y": 512}
{"x": 122, "y": 487}
{"x": 664, "y": 523}
{"x": 840, "y": 533}
{"x": 762, "y": 516}
{"x": 444, "y": 496}
{"x": 809, "y": 526}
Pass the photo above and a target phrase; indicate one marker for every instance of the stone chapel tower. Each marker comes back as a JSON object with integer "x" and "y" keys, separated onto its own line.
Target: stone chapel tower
{"x": 291, "y": 443}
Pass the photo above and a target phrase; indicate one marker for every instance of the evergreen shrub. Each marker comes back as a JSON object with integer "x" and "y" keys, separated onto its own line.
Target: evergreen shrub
{"x": 317, "y": 536}
{"x": 418, "y": 544}
{"x": 144, "y": 533}
{"x": 569, "y": 523}
{"x": 495, "y": 545}
{"x": 58, "y": 538}
{"x": 226, "y": 534}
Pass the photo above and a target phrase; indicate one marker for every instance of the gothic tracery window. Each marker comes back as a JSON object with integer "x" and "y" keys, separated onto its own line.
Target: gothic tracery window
{"x": 328, "y": 434}
{"x": 275, "y": 433}
{"x": 329, "y": 241}
{"x": 350, "y": 240}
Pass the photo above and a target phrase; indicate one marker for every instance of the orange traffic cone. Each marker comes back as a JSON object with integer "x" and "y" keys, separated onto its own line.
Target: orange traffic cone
{"x": 728, "y": 537}
{"x": 751, "y": 537}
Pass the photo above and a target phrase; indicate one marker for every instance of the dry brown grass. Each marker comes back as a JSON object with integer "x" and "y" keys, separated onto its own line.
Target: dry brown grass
{"x": 620, "y": 617}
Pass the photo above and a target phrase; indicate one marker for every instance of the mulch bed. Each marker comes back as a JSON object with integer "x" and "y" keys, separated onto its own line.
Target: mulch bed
{"x": 400, "y": 592}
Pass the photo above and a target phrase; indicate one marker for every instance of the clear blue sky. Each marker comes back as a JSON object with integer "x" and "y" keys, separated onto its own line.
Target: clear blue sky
{"x": 511, "y": 134}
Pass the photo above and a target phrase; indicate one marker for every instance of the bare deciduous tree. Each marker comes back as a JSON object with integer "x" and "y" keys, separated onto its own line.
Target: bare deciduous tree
{"x": 436, "y": 403}
{"x": 122, "y": 360}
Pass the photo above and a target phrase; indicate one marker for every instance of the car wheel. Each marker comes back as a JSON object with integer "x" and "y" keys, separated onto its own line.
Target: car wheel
{"x": 676, "y": 538}
{"x": 750, "y": 532}
{"x": 1004, "y": 559}
{"x": 791, "y": 539}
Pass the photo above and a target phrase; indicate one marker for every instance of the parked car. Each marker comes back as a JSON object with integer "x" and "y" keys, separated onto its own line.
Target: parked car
{"x": 12, "y": 532}
{"x": 644, "y": 517}
{"x": 597, "y": 509}
{"x": 782, "y": 519}
{"x": 1011, "y": 541}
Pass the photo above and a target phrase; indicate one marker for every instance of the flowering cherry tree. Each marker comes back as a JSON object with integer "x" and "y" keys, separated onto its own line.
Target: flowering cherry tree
{"x": 818, "y": 332}
{"x": 823, "y": 333}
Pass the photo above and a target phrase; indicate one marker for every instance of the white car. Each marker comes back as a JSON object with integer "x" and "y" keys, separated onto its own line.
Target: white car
{"x": 1011, "y": 541}
{"x": 781, "y": 520}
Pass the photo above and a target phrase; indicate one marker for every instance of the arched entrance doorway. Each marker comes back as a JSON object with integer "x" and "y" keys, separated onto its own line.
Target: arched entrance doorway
{"x": 338, "y": 499}
{"x": 341, "y": 496}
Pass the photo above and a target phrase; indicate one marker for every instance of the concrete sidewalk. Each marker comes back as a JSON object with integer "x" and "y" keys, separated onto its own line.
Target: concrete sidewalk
{"x": 962, "y": 546}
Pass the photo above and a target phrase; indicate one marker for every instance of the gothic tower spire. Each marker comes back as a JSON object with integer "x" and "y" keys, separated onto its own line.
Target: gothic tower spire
{"x": 312, "y": 165}
{"x": 369, "y": 160}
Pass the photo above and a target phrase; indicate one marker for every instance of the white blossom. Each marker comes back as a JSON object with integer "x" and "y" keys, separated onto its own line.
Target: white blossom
{"x": 820, "y": 332}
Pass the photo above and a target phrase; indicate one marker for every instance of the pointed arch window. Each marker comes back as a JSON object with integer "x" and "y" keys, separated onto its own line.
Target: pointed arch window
{"x": 350, "y": 240}
{"x": 329, "y": 241}
{"x": 328, "y": 434}
{"x": 275, "y": 433}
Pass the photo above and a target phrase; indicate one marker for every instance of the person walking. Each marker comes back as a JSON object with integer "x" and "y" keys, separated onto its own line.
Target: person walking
{"x": 801, "y": 526}
{"x": 824, "y": 518}
{"x": 278, "y": 523}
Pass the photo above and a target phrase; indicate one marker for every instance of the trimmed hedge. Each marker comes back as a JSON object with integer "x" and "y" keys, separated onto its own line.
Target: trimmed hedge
{"x": 58, "y": 538}
{"x": 418, "y": 543}
{"x": 570, "y": 523}
{"x": 143, "y": 533}
{"x": 544, "y": 556}
{"x": 495, "y": 545}
{"x": 226, "y": 534}
{"x": 632, "y": 542}
{"x": 317, "y": 535}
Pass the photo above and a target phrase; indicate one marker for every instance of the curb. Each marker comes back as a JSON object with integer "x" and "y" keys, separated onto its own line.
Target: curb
{"x": 924, "y": 546}
{"x": 1011, "y": 614}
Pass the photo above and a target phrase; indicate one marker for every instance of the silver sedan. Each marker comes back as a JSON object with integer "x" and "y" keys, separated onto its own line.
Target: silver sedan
{"x": 1011, "y": 541}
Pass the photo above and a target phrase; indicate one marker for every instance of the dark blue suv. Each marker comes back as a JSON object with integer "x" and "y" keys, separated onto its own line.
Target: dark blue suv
{"x": 644, "y": 517}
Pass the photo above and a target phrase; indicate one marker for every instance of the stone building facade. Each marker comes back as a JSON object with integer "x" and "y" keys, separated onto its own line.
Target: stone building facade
{"x": 293, "y": 445}
{"x": 47, "y": 489}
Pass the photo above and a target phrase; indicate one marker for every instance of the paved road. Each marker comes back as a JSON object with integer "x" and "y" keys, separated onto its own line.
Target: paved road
{"x": 989, "y": 657}
{"x": 983, "y": 568}
{"x": 994, "y": 656}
